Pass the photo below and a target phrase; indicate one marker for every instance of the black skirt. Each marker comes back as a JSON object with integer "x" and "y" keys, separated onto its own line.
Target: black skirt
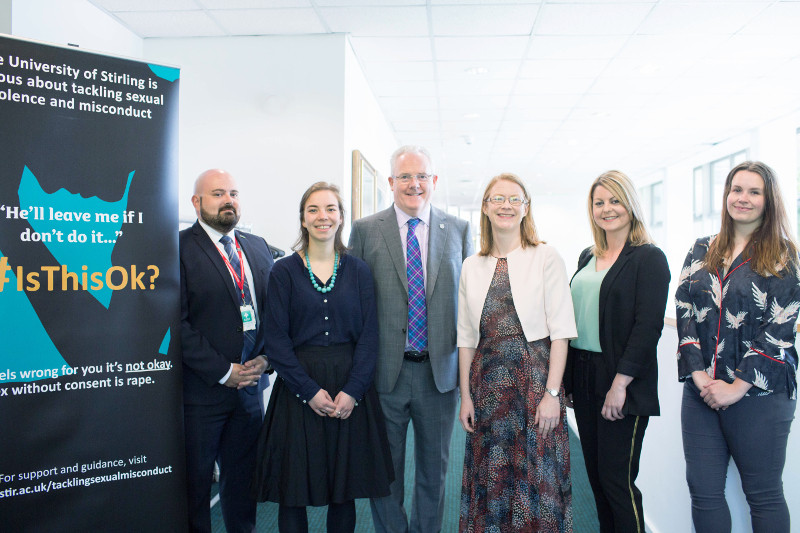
{"x": 306, "y": 459}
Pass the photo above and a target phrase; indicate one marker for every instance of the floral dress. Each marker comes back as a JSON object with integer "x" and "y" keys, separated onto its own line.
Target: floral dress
{"x": 740, "y": 325}
{"x": 514, "y": 480}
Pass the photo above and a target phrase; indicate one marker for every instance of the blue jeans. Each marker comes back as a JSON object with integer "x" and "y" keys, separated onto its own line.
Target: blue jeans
{"x": 755, "y": 432}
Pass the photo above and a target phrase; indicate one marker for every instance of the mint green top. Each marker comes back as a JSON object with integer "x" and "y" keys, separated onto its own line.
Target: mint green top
{"x": 585, "y": 290}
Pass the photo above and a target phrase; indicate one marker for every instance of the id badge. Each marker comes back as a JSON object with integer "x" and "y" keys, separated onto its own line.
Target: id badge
{"x": 248, "y": 317}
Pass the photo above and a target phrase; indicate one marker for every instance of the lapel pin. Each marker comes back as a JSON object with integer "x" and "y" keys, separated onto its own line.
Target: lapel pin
{"x": 441, "y": 226}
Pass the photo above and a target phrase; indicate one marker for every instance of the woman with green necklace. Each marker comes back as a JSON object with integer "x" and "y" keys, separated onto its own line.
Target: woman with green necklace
{"x": 323, "y": 441}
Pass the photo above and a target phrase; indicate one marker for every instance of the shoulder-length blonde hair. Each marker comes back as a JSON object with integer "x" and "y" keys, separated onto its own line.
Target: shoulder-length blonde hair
{"x": 771, "y": 247}
{"x": 301, "y": 244}
{"x": 527, "y": 229}
{"x": 621, "y": 187}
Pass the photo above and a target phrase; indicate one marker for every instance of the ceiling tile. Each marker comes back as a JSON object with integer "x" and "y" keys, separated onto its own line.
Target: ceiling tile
{"x": 780, "y": 18}
{"x": 464, "y": 20}
{"x": 554, "y": 85}
{"x": 741, "y": 45}
{"x": 670, "y": 46}
{"x": 404, "y": 88}
{"x": 590, "y": 19}
{"x": 146, "y": 5}
{"x": 475, "y": 87}
{"x": 269, "y": 21}
{"x": 479, "y": 48}
{"x": 563, "y": 68}
{"x": 171, "y": 24}
{"x": 392, "y": 48}
{"x": 545, "y": 99}
{"x": 399, "y": 70}
{"x": 411, "y": 102}
{"x": 251, "y": 4}
{"x": 700, "y": 18}
{"x": 411, "y": 21}
{"x": 576, "y": 46}
{"x": 472, "y": 102}
{"x": 367, "y": 3}
{"x": 464, "y": 70}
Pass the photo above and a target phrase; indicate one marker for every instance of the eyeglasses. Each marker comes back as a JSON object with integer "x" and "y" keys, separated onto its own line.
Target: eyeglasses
{"x": 499, "y": 199}
{"x": 405, "y": 178}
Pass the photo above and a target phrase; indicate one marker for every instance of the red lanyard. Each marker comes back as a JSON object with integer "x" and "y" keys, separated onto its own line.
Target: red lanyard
{"x": 239, "y": 280}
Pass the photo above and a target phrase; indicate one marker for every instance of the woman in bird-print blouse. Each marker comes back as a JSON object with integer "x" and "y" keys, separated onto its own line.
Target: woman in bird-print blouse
{"x": 737, "y": 304}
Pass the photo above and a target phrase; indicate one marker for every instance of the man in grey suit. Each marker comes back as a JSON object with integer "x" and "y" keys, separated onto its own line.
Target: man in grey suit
{"x": 415, "y": 252}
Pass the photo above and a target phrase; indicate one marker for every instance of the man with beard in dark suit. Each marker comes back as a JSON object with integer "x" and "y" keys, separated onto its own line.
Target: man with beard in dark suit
{"x": 224, "y": 276}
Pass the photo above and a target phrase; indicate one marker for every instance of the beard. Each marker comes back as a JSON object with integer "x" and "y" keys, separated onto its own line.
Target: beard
{"x": 223, "y": 221}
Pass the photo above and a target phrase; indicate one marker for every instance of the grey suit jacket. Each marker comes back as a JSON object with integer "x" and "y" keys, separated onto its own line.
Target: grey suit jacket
{"x": 376, "y": 240}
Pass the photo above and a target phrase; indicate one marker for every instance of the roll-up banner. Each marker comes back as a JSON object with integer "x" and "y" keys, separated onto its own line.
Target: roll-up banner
{"x": 90, "y": 385}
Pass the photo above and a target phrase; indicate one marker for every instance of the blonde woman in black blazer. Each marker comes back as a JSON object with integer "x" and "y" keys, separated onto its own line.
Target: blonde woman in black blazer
{"x": 619, "y": 294}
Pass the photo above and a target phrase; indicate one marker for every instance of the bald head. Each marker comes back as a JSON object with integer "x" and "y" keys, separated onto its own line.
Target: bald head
{"x": 216, "y": 200}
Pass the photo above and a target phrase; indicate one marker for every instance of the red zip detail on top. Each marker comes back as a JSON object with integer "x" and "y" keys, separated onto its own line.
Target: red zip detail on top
{"x": 719, "y": 318}
{"x": 768, "y": 357}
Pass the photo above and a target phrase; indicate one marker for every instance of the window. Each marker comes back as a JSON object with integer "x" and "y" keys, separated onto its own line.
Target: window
{"x": 709, "y": 188}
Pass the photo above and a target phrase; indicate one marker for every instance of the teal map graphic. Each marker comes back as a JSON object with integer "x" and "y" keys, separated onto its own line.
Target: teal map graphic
{"x": 95, "y": 255}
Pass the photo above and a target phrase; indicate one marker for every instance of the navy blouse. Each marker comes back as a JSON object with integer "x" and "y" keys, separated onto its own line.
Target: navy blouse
{"x": 297, "y": 314}
{"x": 741, "y": 325}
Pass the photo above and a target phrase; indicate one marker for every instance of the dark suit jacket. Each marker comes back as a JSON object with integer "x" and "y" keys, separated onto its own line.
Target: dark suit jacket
{"x": 211, "y": 323}
{"x": 633, "y": 297}
{"x": 376, "y": 240}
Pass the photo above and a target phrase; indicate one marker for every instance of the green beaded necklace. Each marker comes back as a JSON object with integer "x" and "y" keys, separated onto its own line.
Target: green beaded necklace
{"x": 329, "y": 288}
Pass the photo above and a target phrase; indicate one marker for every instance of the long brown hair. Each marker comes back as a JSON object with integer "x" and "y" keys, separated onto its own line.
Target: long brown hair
{"x": 302, "y": 241}
{"x": 527, "y": 229}
{"x": 621, "y": 187}
{"x": 771, "y": 247}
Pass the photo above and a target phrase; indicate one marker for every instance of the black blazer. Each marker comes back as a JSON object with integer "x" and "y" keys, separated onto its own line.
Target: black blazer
{"x": 633, "y": 298}
{"x": 211, "y": 322}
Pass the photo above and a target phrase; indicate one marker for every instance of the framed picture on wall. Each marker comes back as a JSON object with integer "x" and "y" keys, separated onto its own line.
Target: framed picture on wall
{"x": 368, "y": 196}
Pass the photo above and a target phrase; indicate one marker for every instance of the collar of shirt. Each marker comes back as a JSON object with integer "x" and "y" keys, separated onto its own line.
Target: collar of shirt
{"x": 215, "y": 235}
{"x": 403, "y": 217}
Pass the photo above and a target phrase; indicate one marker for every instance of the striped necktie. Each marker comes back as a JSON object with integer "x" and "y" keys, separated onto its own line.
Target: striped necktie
{"x": 417, "y": 310}
{"x": 233, "y": 258}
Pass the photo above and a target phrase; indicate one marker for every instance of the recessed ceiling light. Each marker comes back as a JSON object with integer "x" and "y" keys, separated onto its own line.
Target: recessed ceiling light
{"x": 477, "y": 71}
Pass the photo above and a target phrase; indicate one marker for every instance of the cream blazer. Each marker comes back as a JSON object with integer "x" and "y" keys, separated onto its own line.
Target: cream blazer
{"x": 539, "y": 288}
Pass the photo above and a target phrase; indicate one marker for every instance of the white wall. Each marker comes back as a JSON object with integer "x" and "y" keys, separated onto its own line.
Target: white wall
{"x": 268, "y": 109}
{"x": 365, "y": 127}
{"x": 73, "y": 22}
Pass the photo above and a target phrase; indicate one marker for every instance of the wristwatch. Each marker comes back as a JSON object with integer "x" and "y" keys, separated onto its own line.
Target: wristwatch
{"x": 552, "y": 392}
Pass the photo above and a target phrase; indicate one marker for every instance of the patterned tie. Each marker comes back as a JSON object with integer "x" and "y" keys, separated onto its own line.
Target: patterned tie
{"x": 233, "y": 258}
{"x": 417, "y": 311}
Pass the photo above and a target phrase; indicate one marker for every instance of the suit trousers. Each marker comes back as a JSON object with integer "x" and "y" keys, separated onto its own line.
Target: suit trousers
{"x": 227, "y": 434}
{"x": 755, "y": 432}
{"x": 415, "y": 398}
{"x": 611, "y": 451}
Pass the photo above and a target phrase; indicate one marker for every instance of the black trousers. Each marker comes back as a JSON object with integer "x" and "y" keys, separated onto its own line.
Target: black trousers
{"x": 611, "y": 451}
